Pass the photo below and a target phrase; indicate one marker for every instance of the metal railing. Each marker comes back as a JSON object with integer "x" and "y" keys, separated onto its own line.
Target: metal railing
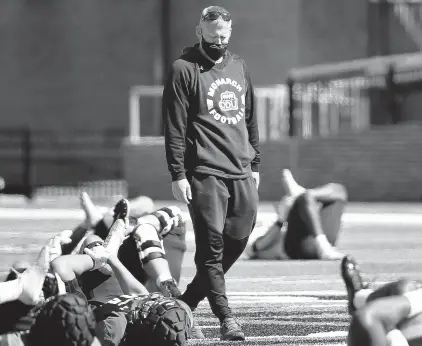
{"x": 352, "y": 95}
{"x": 271, "y": 108}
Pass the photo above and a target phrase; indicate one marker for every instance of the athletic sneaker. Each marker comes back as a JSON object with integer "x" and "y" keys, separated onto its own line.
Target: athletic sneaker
{"x": 352, "y": 279}
{"x": 169, "y": 289}
{"x": 231, "y": 330}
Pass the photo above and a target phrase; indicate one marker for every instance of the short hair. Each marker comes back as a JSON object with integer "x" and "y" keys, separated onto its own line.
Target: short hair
{"x": 212, "y": 13}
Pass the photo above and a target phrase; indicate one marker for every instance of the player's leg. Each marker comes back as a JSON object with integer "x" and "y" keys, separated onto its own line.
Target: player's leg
{"x": 305, "y": 236}
{"x": 377, "y": 322}
{"x": 333, "y": 198}
{"x": 269, "y": 246}
{"x": 144, "y": 252}
{"x": 92, "y": 217}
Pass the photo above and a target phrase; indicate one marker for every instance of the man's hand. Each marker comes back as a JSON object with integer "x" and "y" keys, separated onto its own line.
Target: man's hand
{"x": 181, "y": 190}
{"x": 255, "y": 176}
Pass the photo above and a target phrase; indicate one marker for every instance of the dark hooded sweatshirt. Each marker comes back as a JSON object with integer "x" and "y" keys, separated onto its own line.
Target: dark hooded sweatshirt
{"x": 209, "y": 118}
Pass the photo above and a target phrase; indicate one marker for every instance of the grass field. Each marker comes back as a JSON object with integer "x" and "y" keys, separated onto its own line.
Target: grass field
{"x": 277, "y": 302}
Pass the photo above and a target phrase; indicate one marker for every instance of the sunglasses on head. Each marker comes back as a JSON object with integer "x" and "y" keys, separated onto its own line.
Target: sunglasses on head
{"x": 215, "y": 14}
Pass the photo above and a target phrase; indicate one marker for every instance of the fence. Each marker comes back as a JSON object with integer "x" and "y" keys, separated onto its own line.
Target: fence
{"x": 351, "y": 96}
{"x": 54, "y": 163}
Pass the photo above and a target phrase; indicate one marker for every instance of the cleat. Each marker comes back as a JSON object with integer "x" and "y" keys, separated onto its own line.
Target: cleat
{"x": 169, "y": 289}
{"x": 119, "y": 229}
{"x": 121, "y": 211}
{"x": 231, "y": 330}
{"x": 31, "y": 281}
{"x": 352, "y": 279}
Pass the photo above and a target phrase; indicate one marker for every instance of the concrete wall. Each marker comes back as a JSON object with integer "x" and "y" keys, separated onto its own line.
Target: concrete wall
{"x": 68, "y": 65}
{"x": 382, "y": 164}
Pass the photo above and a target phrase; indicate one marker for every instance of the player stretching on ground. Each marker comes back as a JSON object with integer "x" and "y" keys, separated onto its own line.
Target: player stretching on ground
{"x": 173, "y": 242}
{"x": 28, "y": 319}
{"x": 307, "y": 227}
{"x": 390, "y": 315}
{"x": 91, "y": 277}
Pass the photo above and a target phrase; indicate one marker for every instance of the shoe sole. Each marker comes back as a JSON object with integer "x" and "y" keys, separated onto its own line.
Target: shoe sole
{"x": 117, "y": 216}
{"x": 235, "y": 337}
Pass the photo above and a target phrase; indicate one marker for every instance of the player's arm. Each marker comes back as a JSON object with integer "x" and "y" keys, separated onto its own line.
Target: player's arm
{"x": 175, "y": 113}
{"x": 127, "y": 281}
{"x": 69, "y": 267}
{"x": 251, "y": 120}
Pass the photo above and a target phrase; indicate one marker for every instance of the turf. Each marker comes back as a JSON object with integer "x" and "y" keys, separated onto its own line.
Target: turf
{"x": 277, "y": 302}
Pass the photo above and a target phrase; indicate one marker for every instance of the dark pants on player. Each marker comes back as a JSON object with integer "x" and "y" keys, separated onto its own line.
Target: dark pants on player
{"x": 174, "y": 246}
{"x": 223, "y": 213}
{"x": 323, "y": 205}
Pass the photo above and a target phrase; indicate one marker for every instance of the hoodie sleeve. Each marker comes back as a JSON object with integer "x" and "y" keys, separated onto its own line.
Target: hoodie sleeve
{"x": 251, "y": 120}
{"x": 175, "y": 113}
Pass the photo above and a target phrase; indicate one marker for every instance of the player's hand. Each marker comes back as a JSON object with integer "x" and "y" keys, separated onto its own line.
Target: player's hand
{"x": 181, "y": 190}
{"x": 99, "y": 255}
{"x": 255, "y": 176}
{"x": 54, "y": 245}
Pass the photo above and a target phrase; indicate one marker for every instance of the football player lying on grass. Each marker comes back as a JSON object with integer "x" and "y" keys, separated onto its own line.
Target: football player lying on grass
{"x": 390, "y": 315}
{"x": 32, "y": 309}
{"x": 173, "y": 240}
{"x": 123, "y": 308}
{"x": 308, "y": 224}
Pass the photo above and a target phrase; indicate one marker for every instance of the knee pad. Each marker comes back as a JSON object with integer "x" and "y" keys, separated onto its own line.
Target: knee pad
{"x": 170, "y": 218}
{"x": 148, "y": 243}
{"x": 156, "y": 320}
{"x": 64, "y": 320}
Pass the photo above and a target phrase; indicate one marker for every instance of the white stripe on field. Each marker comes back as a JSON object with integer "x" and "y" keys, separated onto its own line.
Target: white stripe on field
{"x": 76, "y": 214}
{"x": 313, "y": 336}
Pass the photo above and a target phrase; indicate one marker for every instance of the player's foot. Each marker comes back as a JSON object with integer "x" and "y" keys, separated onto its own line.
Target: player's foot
{"x": 290, "y": 186}
{"x": 196, "y": 332}
{"x": 121, "y": 211}
{"x": 31, "y": 281}
{"x": 169, "y": 288}
{"x": 331, "y": 254}
{"x": 231, "y": 330}
{"x": 93, "y": 215}
{"x": 352, "y": 279}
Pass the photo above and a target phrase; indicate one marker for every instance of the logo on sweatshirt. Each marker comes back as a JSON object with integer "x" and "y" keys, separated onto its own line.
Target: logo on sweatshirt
{"x": 223, "y": 101}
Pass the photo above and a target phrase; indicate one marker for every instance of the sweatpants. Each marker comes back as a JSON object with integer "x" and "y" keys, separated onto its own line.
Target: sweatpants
{"x": 223, "y": 213}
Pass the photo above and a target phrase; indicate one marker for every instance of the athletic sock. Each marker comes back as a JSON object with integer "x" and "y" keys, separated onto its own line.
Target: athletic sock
{"x": 415, "y": 301}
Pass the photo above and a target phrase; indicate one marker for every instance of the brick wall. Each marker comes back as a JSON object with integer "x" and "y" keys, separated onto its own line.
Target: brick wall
{"x": 383, "y": 164}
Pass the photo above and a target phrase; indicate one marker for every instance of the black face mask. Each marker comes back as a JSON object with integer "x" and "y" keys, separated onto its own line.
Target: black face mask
{"x": 214, "y": 50}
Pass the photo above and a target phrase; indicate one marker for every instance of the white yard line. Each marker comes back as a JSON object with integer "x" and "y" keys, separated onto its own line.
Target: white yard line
{"x": 76, "y": 214}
